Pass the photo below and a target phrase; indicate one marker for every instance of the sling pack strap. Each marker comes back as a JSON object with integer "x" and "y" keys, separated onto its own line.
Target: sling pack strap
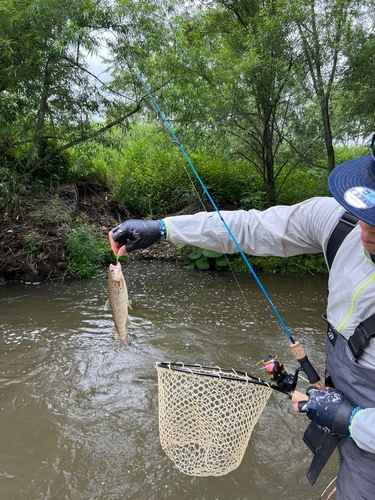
{"x": 365, "y": 330}
{"x": 359, "y": 340}
{"x": 362, "y": 336}
{"x": 321, "y": 443}
{"x": 346, "y": 223}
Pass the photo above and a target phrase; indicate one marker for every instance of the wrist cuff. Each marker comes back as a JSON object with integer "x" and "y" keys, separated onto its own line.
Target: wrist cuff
{"x": 351, "y": 419}
{"x": 163, "y": 230}
{"x": 340, "y": 424}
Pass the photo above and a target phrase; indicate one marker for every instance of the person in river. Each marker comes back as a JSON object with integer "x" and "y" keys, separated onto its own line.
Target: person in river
{"x": 347, "y": 409}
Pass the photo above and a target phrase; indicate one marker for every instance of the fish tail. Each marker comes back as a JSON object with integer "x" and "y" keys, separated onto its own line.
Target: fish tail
{"x": 121, "y": 342}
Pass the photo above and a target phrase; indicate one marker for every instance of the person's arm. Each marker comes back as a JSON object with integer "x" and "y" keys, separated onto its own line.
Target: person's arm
{"x": 363, "y": 429}
{"x": 280, "y": 231}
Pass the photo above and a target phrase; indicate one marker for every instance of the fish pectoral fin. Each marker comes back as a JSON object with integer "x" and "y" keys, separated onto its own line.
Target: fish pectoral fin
{"x": 106, "y": 305}
{"x": 130, "y": 304}
{"x": 128, "y": 322}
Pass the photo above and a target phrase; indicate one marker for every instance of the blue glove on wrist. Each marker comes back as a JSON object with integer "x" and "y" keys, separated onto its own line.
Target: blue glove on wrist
{"x": 137, "y": 233}
{"x": 329, "y": 409}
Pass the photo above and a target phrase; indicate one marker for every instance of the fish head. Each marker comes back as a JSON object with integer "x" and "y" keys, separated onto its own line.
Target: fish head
{"x": 115, "y": 271}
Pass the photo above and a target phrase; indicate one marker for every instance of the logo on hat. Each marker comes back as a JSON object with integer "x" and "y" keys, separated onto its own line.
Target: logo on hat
{"x": 360, "y": 197}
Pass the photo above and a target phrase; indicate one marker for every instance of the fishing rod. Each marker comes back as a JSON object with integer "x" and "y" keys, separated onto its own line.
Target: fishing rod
{"x": 296, "y": 347}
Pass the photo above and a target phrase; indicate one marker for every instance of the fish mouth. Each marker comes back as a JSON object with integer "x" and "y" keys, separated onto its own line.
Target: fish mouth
{"x": 115, "y": 271}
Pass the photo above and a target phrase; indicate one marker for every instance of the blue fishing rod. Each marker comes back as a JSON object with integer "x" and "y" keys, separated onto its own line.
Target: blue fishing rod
{"x": 273, "y": 365}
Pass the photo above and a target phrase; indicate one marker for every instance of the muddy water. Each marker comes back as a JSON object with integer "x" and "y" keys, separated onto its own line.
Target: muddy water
{"x": 79, "y": 419}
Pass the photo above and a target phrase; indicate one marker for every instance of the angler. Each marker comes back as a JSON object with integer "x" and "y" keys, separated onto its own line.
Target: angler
{"x": 348, "y": 409}
{"x": 307, "y": 227}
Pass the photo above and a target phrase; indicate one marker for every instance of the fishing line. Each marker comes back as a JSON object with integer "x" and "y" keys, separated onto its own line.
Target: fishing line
{"x": 217, "y": 408}
{"x": 165, "y": 121}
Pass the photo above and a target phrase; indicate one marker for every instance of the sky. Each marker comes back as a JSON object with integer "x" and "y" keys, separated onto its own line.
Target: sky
{"x": 98, "y": 68}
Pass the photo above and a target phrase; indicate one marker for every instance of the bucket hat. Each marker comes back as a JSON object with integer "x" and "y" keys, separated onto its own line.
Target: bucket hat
{"x": 353, "y": 185}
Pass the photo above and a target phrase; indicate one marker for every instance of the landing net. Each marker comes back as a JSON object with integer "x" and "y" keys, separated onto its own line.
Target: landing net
{"x": 206, "y": 416}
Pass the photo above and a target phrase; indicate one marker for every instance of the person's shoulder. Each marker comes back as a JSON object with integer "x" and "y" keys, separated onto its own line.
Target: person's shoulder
{"x": 326, "y": 205}
{"x": 327, "y": 201}
{"x": 322, "y": 214}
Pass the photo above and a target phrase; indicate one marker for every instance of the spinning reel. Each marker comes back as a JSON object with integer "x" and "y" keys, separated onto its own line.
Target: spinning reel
{"x": 278, "y": 375}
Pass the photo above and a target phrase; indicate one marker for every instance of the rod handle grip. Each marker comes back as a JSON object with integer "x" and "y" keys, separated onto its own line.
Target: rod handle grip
{"x": 299, "y": 353}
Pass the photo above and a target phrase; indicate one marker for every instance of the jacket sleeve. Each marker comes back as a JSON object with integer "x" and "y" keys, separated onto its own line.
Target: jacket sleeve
{"x": 363, "y": 430}
{"x": 279, "y": 231}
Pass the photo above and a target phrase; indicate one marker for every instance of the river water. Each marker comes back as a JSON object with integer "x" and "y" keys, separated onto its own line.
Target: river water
{"x": 79, "y": 419}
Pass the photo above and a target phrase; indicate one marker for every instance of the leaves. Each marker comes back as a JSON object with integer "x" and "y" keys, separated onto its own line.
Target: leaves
{"x": 202, "y": 263}
{"x": 87, "y": 253}
{"x": 266, "y": 87}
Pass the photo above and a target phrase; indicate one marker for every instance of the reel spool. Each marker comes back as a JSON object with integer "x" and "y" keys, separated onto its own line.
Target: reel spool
{"x": 277, "y": 373}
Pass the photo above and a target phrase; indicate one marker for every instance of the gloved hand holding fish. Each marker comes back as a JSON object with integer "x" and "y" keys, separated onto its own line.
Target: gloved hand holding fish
{"x": 119, "y": 302}
{"x": 134, "y": 234}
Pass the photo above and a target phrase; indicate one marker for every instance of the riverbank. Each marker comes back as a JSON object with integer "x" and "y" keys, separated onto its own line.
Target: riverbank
{"x": 33, "y": 236}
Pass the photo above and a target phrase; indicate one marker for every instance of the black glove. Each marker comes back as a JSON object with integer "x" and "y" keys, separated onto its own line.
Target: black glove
{"x": 136, "y": 233}
{"x": 329, "y": 409}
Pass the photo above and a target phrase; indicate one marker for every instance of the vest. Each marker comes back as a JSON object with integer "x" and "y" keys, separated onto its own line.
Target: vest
{"x": 356, "y": 478}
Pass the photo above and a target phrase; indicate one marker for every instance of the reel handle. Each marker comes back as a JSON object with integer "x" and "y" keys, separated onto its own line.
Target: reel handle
{"x": 300, "y": 355}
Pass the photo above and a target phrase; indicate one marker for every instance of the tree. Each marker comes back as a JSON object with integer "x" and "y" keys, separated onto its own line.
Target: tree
{"x": 355, "y": 121}
{"x": 231, "y": 71}
{"x": 49, "y": 99}
{"x": 325, "y": 27}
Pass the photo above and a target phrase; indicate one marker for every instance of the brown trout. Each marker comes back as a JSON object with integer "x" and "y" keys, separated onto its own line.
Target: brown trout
{"x": 118, "y": 302}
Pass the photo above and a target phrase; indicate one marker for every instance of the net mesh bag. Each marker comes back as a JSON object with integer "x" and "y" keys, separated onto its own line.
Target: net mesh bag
{"x": 207, "y": 415}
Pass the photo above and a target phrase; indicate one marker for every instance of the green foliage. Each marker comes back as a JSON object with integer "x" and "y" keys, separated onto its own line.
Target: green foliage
{"x": 96, "y": 161}
{"x": 346, "y": 153}
{"x": 235, "y": 86}
{"x": 303, "y": 183}
{"x": 230, "y": 182}
{"x": 152, "y": 180}
{"x": 195, "y": 257}
{"x": 155, "y": 179}
{"x": 313, "y": 264}
{"x": 202, "y": 259}
{"x": 13, "y": 195}
{"x": 87, "y": 252}
{"x": 50, "y": 100}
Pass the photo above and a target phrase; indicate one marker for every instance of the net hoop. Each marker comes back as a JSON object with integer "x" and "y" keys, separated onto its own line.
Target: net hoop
{"x": 207, "y": 415}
